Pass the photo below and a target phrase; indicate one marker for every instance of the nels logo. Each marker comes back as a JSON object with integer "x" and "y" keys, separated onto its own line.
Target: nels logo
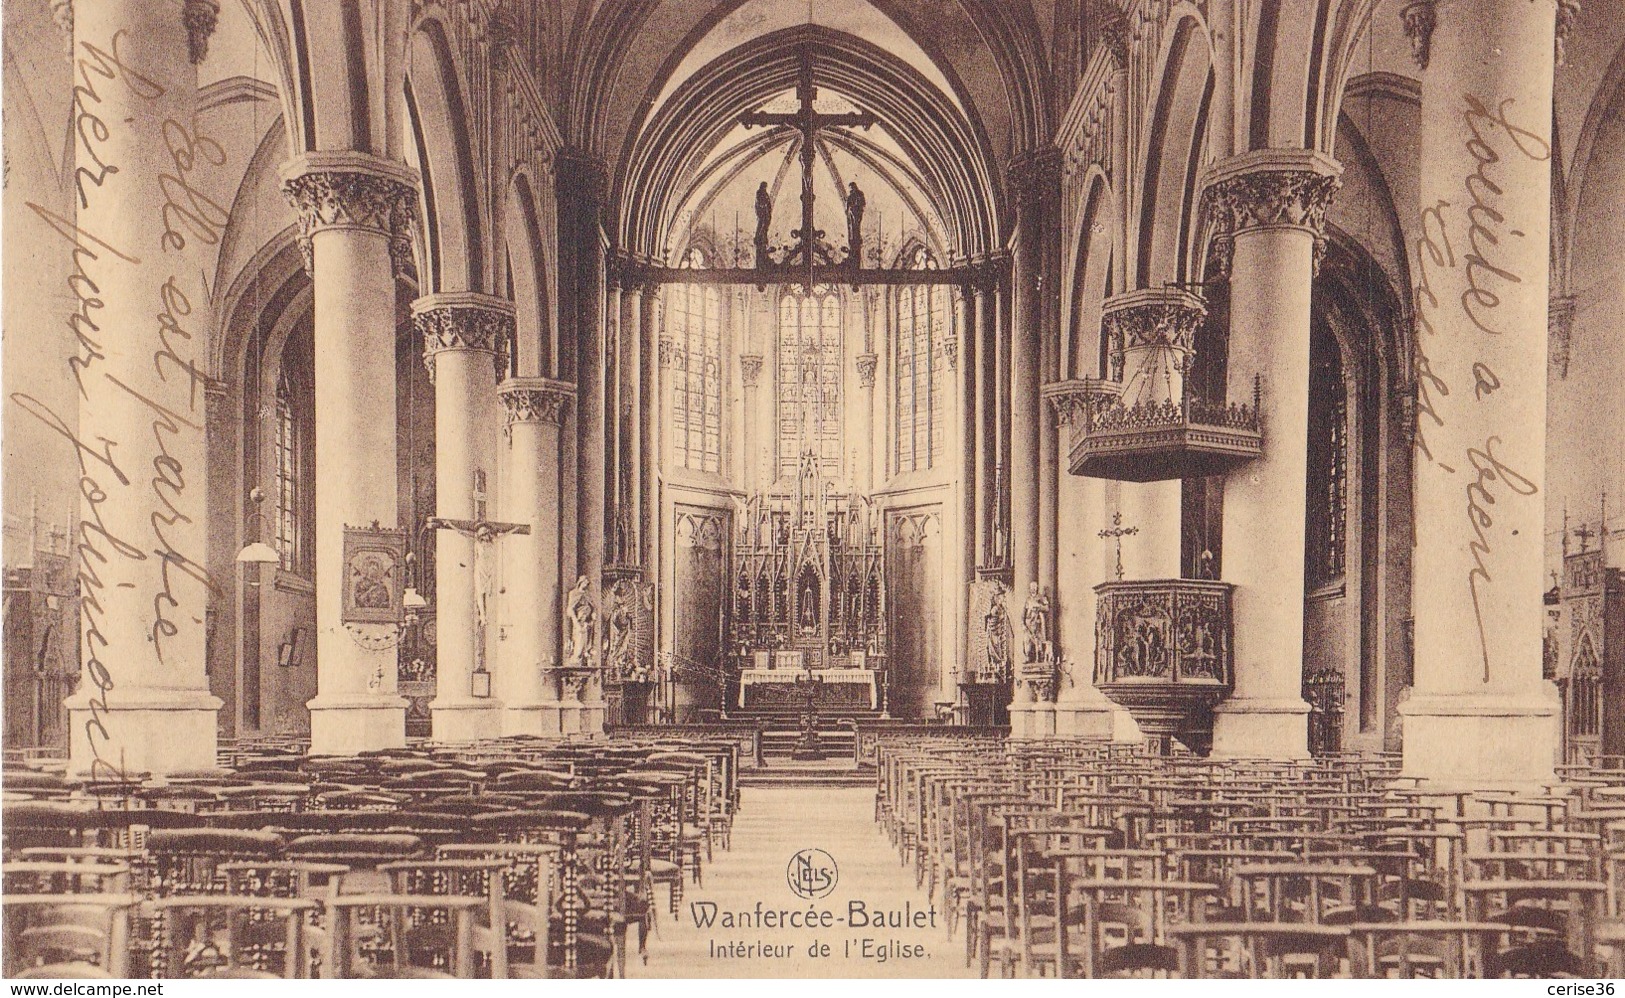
{"x": 812, "y": 874}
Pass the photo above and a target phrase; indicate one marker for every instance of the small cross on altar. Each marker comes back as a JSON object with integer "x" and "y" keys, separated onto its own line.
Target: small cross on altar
{"x": 1117, "y": 532}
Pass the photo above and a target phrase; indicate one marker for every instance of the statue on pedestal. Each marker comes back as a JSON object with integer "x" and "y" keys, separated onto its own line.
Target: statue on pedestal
{"x": 1038, "y": 667}
{"x": 1035, "y": 621}
{"x": 581, "y": 623}
{"x": 996, "y": 627}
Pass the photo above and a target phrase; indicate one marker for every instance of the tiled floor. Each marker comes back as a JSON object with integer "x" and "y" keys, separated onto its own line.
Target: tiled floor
{"x": 772, "y": 825}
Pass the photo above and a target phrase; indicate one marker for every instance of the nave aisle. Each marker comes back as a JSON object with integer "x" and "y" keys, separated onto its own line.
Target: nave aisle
{"x": 772, "y": 825}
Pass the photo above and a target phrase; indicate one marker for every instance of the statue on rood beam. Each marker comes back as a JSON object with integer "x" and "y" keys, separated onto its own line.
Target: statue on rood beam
{"x": 764, "y": 220}
{"x": 855, "y": 204}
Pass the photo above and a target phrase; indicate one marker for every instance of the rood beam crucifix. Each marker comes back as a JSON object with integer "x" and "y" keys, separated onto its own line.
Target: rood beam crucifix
{"x": 808, "y": 121}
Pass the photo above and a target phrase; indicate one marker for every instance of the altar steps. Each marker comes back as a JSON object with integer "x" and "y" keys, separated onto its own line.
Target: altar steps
{"x": 781, "y": 732}
{"x": 789, "y": 773}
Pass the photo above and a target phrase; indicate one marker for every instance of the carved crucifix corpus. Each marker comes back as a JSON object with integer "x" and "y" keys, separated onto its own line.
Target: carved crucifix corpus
{"x": 484, "y": 532}
{"x": 808, "y": 121}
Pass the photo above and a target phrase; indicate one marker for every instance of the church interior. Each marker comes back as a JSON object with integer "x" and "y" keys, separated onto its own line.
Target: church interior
{"x": 466, "y": 446}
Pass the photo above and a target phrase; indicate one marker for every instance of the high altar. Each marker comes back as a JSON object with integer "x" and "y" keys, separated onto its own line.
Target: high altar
{"x": 809, "y": 597}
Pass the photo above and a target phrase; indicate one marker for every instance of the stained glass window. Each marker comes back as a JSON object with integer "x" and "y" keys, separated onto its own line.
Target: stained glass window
{"x": 1327, "y": 539}
{"x": 291, "y": 437}
{"x": 919, "y": 369}
{"x": 694, "y": 323}
{"x": 811, "y": 355}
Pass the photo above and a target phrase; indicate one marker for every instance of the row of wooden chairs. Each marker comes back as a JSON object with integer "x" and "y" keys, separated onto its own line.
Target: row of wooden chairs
{"x": 1072, "y": 858}
{"x": 546, "y": 855}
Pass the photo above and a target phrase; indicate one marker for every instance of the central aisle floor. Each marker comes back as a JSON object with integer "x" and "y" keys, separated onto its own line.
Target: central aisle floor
{"x": 773, "y": 824}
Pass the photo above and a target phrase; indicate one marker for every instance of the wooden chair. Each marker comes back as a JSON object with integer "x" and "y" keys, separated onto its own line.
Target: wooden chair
{"x": 466, "y": 877}
{"x": 64, "y": 877}
{"x": 1301, "y": 892}
{"x": 226, "y": 936}
{"x": 1554, "y": 919}
{"x": 403, "y": 936}
{"x": 1260, "y": 949}
{"x": 1112, "y": 927}
{"x": 66, "y": 936}
{"x": 1429, "y": 949}
{"x": 529, "y": 875}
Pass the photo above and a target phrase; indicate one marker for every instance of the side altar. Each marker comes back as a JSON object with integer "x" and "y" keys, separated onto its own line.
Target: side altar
{"x": 809, "y": 597}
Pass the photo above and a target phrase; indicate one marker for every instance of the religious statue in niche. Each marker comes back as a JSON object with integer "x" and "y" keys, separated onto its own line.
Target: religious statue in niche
{"x": 1035, "y": 620}
{"x": 764, "y": 220}
{"x": 996, "y": 627}
{"x": 855, "y": 204}
{"x": 373, "y": 560}
{"x": 629, "y": 644}
{"x": 581, "y": 619}
{"x": 809, "y": 606}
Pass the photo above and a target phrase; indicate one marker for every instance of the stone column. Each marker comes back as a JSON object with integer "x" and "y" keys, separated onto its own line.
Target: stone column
{"x": 984, "y": 353}
{"x": 870, "y": 428}
{"x": 1480, "y": 714}
{"x": 354, "y": 212}
{"x": 526, "y": 682}
{"x": 614, "y": 499}
{"x": 143, "y": 704}
{"x": 1150, "y": 334}
{"x": 580, "y": 228}
{"x": 632, "y": 402}
{"x": 999, "y": 491}
{"x": 1272, "y": 204}
{"x": 670, "y": 355}
{"x": 750, "y": 375}
{"x": 1035, "y": 180}
{"x": 649, "y": 417}
{"x": 969, "y": 485}
{"x": 957, "y": 525}
{"x": 465, "y": 336}
{"x": 1086, "y": 560}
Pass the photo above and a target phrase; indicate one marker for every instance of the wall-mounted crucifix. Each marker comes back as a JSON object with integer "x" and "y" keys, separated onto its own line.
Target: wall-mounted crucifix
{"x": 484, "y": 533}
{"x": 807, "y": 120}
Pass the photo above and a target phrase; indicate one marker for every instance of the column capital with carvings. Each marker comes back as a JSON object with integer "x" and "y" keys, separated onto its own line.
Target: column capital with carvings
{"x": 351, "y": 190}
{"x": 464, "y": 320}
{"x": 1421, "y": 17}
{"x": 1269, "y": 188}
{"x": 866, "y": 369}
{"x": 750, "y": 369}
{"x": 1035, "y": 182}
{"x": 199, "y": 17}
{"x": 582, "y": 174}
{"x": 536, "y": 400}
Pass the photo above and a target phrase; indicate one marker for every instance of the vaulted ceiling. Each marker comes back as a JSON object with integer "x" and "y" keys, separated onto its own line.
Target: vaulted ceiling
{"x": 961, "y": 87}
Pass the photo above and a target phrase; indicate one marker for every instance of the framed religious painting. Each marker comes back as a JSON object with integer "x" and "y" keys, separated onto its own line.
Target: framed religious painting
{"x": 374, "y": 574}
